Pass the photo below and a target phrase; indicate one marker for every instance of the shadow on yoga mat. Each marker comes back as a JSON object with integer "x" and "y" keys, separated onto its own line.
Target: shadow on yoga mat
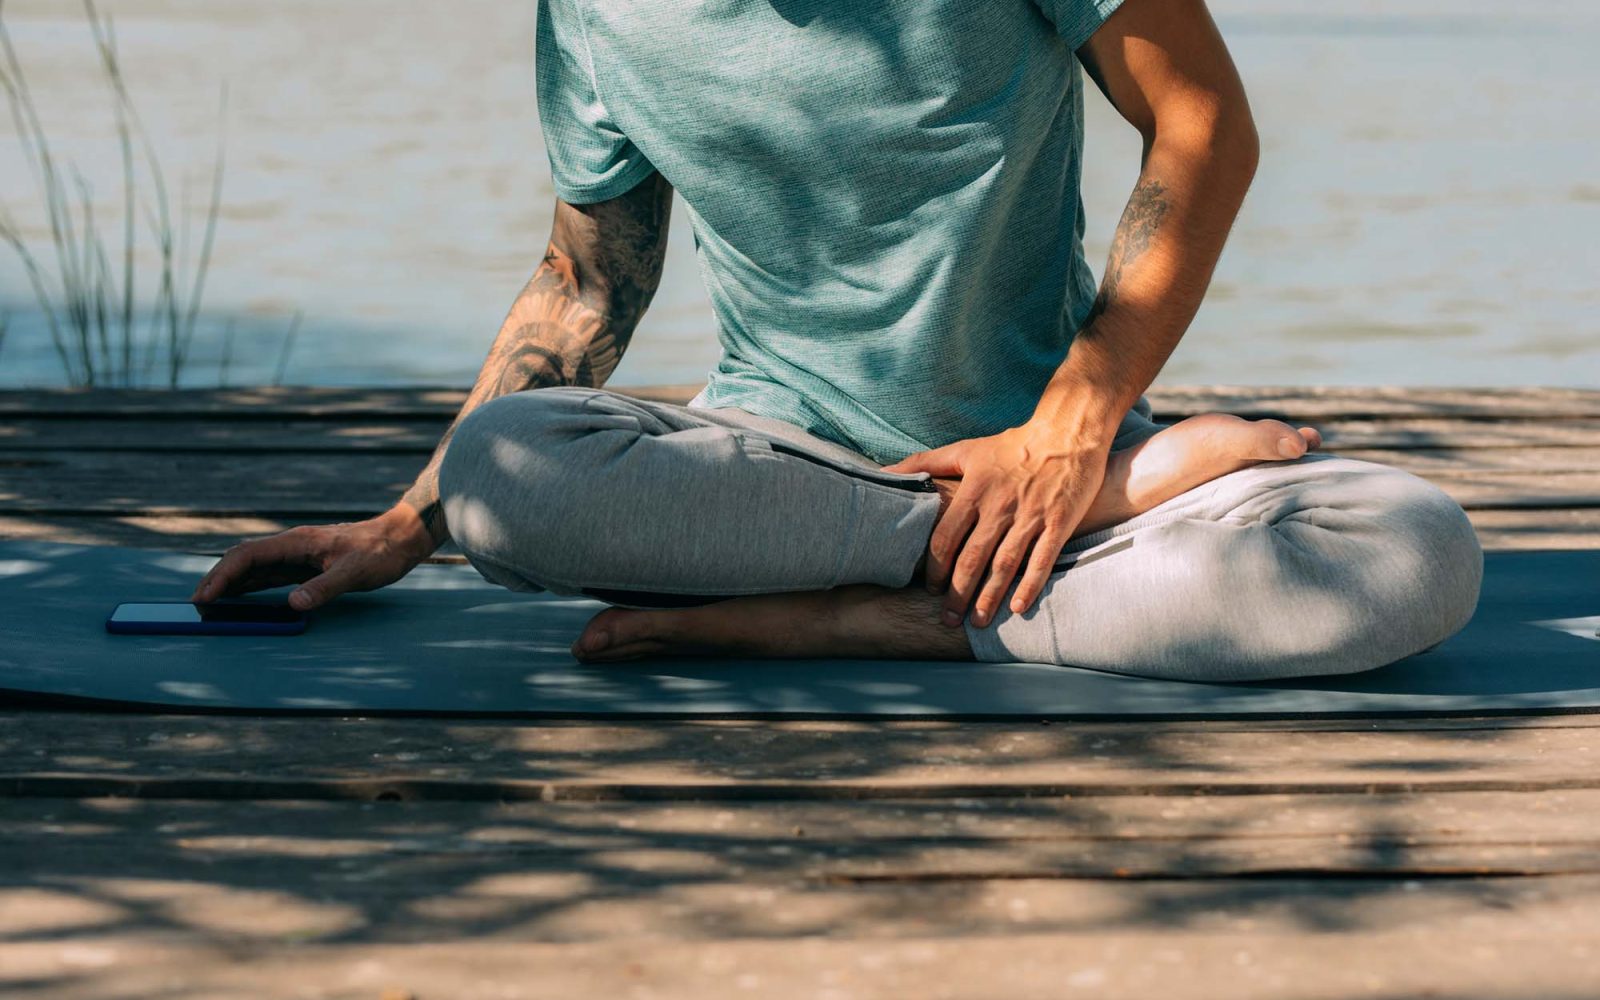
{"x": 444, "y": 641}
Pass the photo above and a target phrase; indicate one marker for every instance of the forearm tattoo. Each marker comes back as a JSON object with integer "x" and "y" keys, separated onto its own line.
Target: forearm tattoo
{"x": 574, "y": 318}
{"x": 1147, "y": 208}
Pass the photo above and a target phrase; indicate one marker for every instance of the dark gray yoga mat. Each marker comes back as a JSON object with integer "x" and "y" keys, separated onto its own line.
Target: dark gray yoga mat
{"x": 445, "y": 641}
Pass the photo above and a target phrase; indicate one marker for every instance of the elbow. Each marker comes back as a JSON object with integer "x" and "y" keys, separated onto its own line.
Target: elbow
{"x": 1222, "y": 133}
{"x": 1240, "y": 143}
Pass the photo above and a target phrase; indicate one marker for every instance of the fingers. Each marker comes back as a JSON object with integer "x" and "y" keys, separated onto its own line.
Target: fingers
{"x": 948, "y": 534}
{"x": 267, "y": 577}
{"x": 1000, "y": 542}
{"x": 243, "y": 567}
{"x": 944, "y": 461}
{"x": 1046, "y": 549}
{"x": 1009, "y": 501}
{"x": 233, "y": 567}
{"x": 976, "y": 557}
{"x": 1007, "y": 559}
{"x": 319, "y": 590}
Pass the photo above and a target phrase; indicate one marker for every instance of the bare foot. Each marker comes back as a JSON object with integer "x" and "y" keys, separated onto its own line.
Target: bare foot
{"x": 1187, "y": 454}
{"x": 868, "y": 621}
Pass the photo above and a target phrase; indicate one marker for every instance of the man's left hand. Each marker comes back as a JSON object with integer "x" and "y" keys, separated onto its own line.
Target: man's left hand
{"x": 1028, "y": 486}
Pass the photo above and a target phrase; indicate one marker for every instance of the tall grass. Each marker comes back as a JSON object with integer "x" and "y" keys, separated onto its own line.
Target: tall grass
{"x": 90, "y": 305}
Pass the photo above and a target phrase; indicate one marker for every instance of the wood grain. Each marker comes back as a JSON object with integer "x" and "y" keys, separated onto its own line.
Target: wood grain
{"x": 234, "y": 857}
{"x": 51, "y": 754}
{"x": 1275, "y": 898}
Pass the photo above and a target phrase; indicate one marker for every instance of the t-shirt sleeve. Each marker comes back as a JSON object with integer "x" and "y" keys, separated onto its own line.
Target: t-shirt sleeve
{"x": 1076, "y": 20}
{"x": 590, "y": 158}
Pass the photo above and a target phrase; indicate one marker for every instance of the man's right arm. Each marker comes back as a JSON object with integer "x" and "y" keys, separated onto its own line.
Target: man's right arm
{"x": 569, "y": 326}
{"x": 572, "y": 321}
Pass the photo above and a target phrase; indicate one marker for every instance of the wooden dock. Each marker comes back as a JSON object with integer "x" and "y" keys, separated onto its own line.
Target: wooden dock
{"x": 221, "y": 857}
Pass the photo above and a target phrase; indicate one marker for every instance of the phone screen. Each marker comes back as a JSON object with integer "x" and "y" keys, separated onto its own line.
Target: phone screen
{"x": 183, "y": 612}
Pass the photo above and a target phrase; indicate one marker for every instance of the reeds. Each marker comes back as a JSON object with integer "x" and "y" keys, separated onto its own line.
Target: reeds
{"x": 89, "y": 306}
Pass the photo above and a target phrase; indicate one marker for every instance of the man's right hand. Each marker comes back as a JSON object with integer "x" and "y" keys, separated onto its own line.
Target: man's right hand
{"x": 325, "y": 559}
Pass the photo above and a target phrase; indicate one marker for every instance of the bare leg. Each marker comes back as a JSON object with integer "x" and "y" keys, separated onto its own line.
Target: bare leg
{"x": 869, "y": 621}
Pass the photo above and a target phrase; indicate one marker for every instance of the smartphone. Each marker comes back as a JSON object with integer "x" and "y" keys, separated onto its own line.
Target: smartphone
{"x": 215, "y": 618}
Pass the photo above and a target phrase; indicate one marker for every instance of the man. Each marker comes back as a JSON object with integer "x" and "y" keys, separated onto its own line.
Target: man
{"x": 927, "y": 435}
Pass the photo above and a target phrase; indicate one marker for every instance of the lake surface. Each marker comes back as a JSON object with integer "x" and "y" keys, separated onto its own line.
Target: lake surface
{"x": 1426, "y": 210}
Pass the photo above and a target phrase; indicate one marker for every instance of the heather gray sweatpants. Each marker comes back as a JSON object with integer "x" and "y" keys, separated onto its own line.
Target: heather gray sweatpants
{"x": 1315, "y": 566}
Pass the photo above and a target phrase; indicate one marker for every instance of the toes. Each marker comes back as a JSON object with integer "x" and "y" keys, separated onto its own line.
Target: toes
{"x": 1291, "y": 443}
{"x": 1274, "y": 440}
{"x": 1263, "y": 440}
{"x": 611, "y": 629}
{"x": 594, "y": 636}
{"x": 1285, "y": 442}
{"x": 620, "y": 652}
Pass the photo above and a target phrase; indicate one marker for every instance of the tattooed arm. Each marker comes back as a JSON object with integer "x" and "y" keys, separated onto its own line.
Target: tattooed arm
{"x": 574, "y": 318}
{"x": 569, "y": 326}
{"x": 1024, "y": 491}
{"x": 1164, "y": 66}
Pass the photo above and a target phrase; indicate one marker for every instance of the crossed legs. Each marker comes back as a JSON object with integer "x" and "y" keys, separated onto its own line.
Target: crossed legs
{"x": 1207, "y": 555}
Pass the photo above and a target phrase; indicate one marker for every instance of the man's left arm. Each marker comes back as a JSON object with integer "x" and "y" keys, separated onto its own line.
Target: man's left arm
{"x": 1164, "y": 66}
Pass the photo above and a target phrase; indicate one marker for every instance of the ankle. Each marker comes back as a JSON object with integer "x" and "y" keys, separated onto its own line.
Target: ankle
{"x": 878, "y": 622}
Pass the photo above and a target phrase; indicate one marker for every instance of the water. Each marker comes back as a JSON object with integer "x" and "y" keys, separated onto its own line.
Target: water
{"x": 1425, "y": 211}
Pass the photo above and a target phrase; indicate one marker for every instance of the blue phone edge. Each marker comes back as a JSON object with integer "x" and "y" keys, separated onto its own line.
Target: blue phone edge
{"x": 201, "y": 628}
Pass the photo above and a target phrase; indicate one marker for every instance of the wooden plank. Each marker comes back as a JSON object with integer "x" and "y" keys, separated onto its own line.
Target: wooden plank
{"x": 110, "y": 898}
{"x": 176, "y": 532}
{"x": 1319, "y": 402}
{"x": 349, "y": 484}
{"x": 1305, "y": 830}
{"x": 218, "y": 484}
{"x": 674, "y": 859}
{"x": 269, "y": 402}
{"x": 1529, "y": 490}
{"x": 1103, "y": 838}
{"x": 239, "y": 403}
{"x": 224, "y": 433}
{"x": 1457, "y": 433}
{"x": 1488, "y": 942}
{"x": 670, "y": 900}
{"x": 1099, "y": 837}
{"x": 273, "y": 788}
{"x": 169, "y": 532}
{"x": 1306, "y": 402}
{"x": 1456, "y": 462}
{"x": 1523, "y": 530}
{"x": 74, "y": 754}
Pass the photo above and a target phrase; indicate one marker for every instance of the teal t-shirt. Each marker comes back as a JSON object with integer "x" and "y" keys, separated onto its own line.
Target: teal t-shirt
{"x": 884, "y": 193}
